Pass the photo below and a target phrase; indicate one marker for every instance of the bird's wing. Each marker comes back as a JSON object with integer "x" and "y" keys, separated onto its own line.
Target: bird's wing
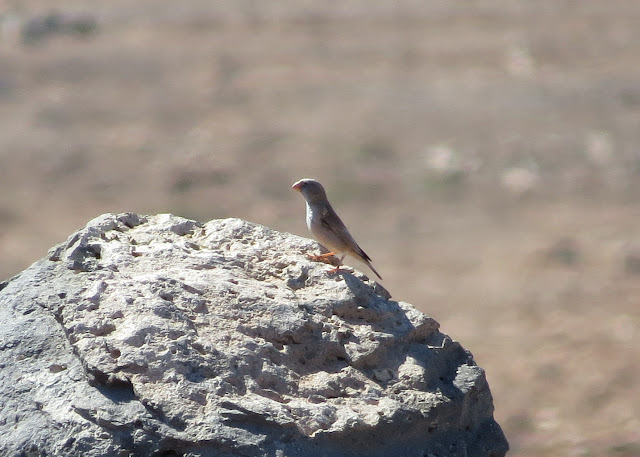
{"x": 334, "y": 225}
{"x": 332, "y": 222}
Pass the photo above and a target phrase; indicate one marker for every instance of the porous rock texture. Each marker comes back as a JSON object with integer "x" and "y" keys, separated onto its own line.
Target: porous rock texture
{"x": 162, "y": 336}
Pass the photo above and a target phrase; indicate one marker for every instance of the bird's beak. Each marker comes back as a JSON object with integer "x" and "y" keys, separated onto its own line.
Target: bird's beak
{"x": 297, "y": 186}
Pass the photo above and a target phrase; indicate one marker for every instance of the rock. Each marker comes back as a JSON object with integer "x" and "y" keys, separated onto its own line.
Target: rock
{"x": 161, "y": 336}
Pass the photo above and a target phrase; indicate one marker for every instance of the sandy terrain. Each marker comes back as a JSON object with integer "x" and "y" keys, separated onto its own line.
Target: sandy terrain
{"x": 485, "y": 154}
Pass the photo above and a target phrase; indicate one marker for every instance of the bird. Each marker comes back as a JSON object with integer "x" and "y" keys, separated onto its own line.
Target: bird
{"x": 325, "y": 225}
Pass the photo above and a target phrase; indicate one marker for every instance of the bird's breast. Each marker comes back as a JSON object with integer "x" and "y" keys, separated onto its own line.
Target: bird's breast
{"x": 324, "y": 236}
{"x": 309, "y": 218}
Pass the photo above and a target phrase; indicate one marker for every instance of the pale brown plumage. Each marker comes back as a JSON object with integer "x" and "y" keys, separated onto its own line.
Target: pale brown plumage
{"x": 326, "y": 226}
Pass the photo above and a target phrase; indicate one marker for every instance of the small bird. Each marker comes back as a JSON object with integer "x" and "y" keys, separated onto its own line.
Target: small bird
{"x": 327, "y": 227}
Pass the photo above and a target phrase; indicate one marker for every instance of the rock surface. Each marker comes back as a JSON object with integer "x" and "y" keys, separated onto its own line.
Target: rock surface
{"x": 161, "y": 336}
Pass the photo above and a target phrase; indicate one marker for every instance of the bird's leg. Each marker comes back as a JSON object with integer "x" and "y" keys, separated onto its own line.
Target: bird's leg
{"x": 337, "y": 269}
{"x": 322, "y": 257}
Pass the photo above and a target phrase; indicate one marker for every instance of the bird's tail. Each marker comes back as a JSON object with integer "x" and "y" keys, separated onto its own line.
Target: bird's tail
{"x": 367, "y": 260}
{"x": 372, "y": 269}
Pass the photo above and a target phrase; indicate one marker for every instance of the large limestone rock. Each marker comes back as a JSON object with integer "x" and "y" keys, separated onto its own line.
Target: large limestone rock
{"x": 161, "y": 336}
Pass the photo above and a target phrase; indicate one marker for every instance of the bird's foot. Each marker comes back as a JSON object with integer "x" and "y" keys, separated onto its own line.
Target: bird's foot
{"x": 338, "y": 269}
{"x": 326, "y": 258}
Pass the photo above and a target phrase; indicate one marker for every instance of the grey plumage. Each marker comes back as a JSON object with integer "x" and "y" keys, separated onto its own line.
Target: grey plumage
{"x": 326, "y": 226}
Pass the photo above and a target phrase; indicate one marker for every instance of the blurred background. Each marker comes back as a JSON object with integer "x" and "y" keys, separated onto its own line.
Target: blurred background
{"x": 485, "y": 154}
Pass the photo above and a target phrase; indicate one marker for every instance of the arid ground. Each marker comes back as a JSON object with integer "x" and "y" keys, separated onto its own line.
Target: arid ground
{"x": 486, "y": 155}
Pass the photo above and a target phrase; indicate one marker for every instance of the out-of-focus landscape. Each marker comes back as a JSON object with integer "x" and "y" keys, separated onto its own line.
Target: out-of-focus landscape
{"x": 486, "y": 155}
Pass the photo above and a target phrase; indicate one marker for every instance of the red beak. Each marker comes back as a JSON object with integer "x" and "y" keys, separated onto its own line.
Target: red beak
{"x": 297, "y": 186}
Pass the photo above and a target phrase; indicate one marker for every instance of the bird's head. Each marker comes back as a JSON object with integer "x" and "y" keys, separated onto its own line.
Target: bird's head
{"x": 311, "y": 190}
